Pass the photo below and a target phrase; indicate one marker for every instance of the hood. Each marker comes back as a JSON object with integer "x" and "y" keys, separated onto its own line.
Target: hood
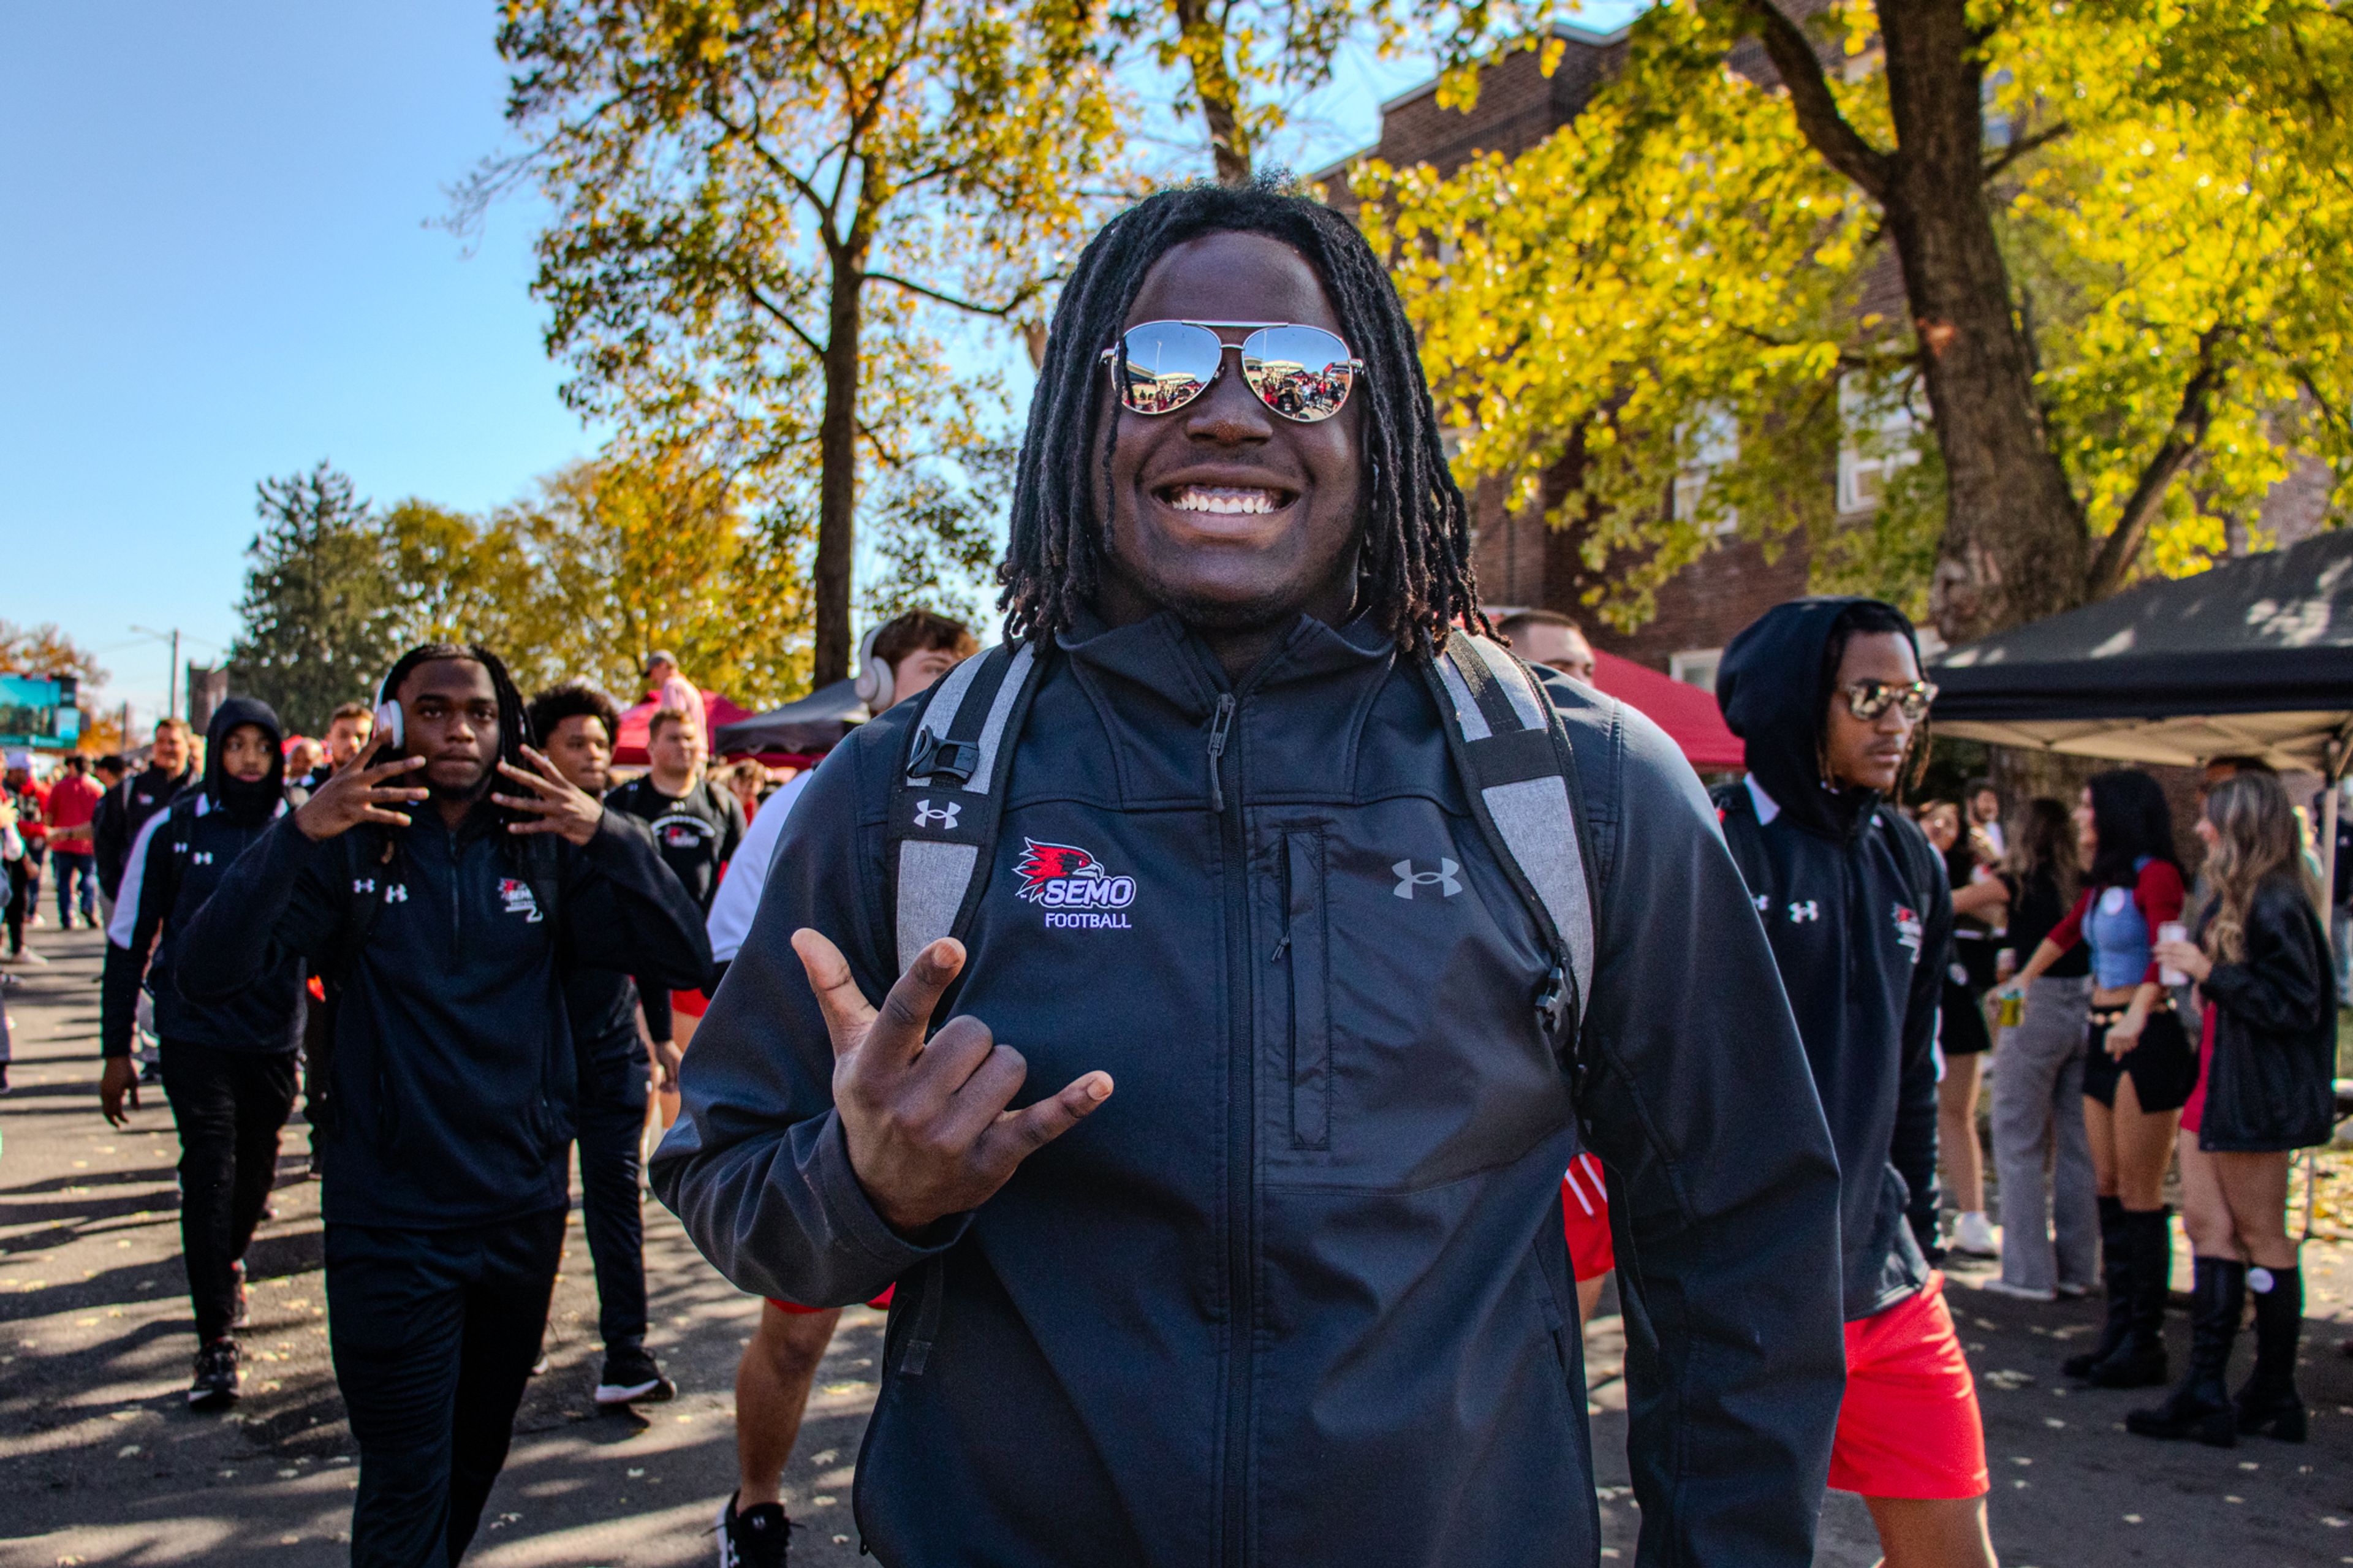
{"x": 1772, "y": 688}
{"x": 248, "y": 802}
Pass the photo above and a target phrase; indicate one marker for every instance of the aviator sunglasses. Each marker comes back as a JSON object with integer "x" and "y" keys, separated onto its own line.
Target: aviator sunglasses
{"x": 1867, "y": 700}
{"x": 1302, "y": 373}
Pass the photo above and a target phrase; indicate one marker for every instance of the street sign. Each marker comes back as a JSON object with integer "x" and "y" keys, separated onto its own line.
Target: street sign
{"x": 39, "y": 712}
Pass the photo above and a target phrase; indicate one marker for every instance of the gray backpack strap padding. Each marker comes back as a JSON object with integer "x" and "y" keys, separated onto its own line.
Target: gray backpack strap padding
{"x": 1513, "y": 752}
{"x": 946, "y": 800}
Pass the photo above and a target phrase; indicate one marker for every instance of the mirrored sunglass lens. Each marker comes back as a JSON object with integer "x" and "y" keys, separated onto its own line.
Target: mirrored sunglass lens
{"x": 1300, "y": 373}
{"x": 1167, "y": 364}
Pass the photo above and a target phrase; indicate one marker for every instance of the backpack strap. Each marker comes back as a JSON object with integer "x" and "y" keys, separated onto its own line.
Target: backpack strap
{"x": 1512, "y": 751}
{"x": 949, "y": 796}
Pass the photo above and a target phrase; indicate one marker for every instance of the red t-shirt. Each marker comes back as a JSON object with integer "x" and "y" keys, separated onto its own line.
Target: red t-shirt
{"x": 73, "y": 800}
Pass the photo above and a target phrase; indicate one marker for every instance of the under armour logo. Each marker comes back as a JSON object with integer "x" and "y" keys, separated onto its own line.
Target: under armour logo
{"x": 1809, "y": 910}
{"x": 1443, "y": 879}
{"x": 397, "y": 894}
{"x": 364, "y": 884}
{"x": 1763, "y": 903}
{"x": 930, "y": 816}
{"x": 201, "y": 858}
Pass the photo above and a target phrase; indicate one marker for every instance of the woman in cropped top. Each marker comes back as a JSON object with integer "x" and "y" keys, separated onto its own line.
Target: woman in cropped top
{"x": 2139, "y": 1065}
{"x": 2269, "y": 1047}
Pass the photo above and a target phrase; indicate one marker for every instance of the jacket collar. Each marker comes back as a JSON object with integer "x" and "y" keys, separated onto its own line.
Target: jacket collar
{"x": 1166, "y": 657}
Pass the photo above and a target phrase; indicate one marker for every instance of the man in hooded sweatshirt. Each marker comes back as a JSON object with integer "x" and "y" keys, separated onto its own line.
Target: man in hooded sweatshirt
{"x": 1826, "y": 696}
{"x": 228, "y": 1064}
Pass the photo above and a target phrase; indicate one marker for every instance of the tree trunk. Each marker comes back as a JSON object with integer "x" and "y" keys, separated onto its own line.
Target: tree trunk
{"x": 836, "y": 446}
{"x": 1204, "y": 46}
{"x": 2014, "y": 545}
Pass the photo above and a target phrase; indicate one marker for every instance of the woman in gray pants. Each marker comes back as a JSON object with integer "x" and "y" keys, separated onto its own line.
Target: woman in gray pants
{"x": 2041, "y": 1154}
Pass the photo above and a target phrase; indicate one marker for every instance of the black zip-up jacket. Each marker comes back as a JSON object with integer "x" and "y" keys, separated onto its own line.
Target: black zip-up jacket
{"x": 453, "y": 1078}
{"x": 181, "y": 855}
{"x": 1297, "y": 1294}
{"x": 112, "y": 832}
{"x": 2269, "y": 1084}
{"x": 1853, "y": 898}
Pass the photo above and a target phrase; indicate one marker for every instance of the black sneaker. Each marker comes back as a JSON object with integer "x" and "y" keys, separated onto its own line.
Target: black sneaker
{"x": 214, "y": 1388}
{"x": 151, "y": 1072}
{"x": 756, "y": 1538}
{"x": 631, "y": 1375}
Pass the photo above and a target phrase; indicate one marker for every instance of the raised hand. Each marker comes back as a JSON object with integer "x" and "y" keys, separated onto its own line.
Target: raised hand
{"x": 925, "y": 1121}
{"x": 557, "y": 805}
{"x": 360, "y": 793}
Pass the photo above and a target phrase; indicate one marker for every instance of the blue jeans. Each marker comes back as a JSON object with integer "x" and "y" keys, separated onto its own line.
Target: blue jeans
{"x": 73, "y": 868}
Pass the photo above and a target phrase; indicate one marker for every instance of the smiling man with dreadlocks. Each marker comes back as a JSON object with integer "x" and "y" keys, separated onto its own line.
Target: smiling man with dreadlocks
{"x": 1252, "y": 817}
{"x": 449, "y": 1115}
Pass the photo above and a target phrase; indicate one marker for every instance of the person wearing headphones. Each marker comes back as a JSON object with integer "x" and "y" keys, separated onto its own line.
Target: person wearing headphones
{"x": 899, "y": 661}
{"x": 439, "y": 882}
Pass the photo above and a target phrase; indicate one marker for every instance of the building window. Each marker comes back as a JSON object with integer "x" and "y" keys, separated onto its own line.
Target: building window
{"x": 1878, "y": 441}
{"x": 1695, "y": 667}
{"x": 1713, "y": 438}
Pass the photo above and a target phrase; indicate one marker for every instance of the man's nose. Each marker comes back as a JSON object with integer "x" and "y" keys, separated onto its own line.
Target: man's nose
{"x": 1229, "y": 413}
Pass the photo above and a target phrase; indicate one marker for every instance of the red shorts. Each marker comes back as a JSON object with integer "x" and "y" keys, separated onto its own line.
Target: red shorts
{"x": 797, "y": 1311}
{"x": 1909, "y": 1426}
{"x": 693, "y": 1003}
{"x": 1585, "y": 1214}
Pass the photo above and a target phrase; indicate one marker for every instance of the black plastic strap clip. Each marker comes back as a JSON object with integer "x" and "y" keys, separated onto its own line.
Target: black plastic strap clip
{"x": 934, "y": 758}
{"x": 1552, "y": 1000}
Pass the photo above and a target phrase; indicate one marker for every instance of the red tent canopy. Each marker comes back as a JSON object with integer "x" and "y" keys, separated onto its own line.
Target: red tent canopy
{"x": 1688, "y": 715}
{"x": 629, "y": 746}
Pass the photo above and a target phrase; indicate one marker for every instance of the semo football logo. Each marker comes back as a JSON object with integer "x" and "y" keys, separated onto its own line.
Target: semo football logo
{"x": 1072, "y": 886}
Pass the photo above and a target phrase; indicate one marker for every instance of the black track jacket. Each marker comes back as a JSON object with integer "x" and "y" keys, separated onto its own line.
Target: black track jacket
{"x": 1297, "y": 1294}
{"x": 180, "y": 856}
{"x": 452, "y": 1079}
{"x": 1853, "y": 897}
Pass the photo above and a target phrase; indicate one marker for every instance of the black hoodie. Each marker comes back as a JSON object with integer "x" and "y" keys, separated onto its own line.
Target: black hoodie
{"x": 1851, "y": 895}
{"x": 179, "y": 856}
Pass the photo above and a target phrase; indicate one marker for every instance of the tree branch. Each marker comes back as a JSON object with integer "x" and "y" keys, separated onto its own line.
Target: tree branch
{"x": 1021, "y": 295}
{"x": 1840, "y": 143}
{"x": 2181, "y": 442}
{"x": 777, "y": 314}
{"x": 2025, "y": 144}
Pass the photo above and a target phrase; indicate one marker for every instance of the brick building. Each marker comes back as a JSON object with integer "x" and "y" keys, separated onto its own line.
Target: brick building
{"x": 1521, "y": 562}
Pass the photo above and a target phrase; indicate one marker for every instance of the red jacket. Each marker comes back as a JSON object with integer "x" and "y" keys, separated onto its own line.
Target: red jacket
{"x": 73, "y": 800}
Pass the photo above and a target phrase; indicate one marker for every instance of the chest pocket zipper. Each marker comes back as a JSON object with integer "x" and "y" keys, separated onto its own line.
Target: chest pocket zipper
{"x": 1306, "y": 946}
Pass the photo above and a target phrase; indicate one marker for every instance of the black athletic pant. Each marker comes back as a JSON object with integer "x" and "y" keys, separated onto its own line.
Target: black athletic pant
{"x": 228, "y": 1106}
{"x": 612, "y": 1122}
{"x": 20, "y": 900}
{"x": 434, "y": 1333}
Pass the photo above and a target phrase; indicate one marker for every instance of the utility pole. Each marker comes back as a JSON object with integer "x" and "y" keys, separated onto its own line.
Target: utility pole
{"x": 172, "y": 681}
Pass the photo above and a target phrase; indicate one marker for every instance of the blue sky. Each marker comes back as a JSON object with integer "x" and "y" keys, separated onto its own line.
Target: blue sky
{"x": 220, "y": 265}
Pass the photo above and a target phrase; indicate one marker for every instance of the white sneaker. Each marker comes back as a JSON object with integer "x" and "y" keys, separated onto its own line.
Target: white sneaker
{"x": 1974, "y": 1237}
{"x": 28, "y": 956}
{"x": 2018, "y": 1293}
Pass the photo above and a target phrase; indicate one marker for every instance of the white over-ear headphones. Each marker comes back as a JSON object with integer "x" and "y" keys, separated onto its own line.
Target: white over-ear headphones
{"x": 874, "y": 684}
{"x": 387, "y": 715}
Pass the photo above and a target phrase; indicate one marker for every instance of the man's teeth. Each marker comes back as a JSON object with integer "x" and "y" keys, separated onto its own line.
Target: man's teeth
{"x": 1220, "y": 498}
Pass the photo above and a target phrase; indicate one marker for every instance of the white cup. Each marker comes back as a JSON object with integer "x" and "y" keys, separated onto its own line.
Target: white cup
{"x": 2172, "y": 931}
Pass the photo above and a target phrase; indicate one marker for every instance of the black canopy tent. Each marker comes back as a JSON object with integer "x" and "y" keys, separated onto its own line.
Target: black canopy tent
{"x": 2253, "y": 658}
{"x": 815, "y": 723}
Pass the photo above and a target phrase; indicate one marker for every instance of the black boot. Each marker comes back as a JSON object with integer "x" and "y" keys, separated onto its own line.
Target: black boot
{"x": 2199, "y": 1406}
{"x": 2139, "y": 1361}
{"x": 2269, "y": 1401}
{"x": 2115, "y": 1270}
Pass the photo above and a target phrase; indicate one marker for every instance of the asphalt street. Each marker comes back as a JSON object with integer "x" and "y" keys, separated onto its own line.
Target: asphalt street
{"x": 104, "y": 1464}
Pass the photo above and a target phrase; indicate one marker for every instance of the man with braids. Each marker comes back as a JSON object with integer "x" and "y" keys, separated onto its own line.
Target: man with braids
{"x": 452, "y": 1087}
{"x": 1297, "y": 1292}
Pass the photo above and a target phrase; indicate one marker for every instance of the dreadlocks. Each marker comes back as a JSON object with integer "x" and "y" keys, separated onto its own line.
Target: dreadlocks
{"x": 1414, "y": 573}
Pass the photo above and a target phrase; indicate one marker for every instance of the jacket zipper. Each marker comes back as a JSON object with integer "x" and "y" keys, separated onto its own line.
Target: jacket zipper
{"x": 1222, "y": 721}
{"x": 1242, "y": 1181}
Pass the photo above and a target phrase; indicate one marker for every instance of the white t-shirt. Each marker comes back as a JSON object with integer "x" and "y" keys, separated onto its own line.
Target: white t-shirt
{"x": 738, "y": 899}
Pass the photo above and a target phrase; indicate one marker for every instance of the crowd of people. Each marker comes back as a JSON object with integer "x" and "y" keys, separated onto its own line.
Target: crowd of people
{"x": 1378, "y": 992}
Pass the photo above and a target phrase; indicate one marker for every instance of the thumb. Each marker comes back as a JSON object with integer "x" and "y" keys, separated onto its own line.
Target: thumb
{"x": 847, "y": 1014}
